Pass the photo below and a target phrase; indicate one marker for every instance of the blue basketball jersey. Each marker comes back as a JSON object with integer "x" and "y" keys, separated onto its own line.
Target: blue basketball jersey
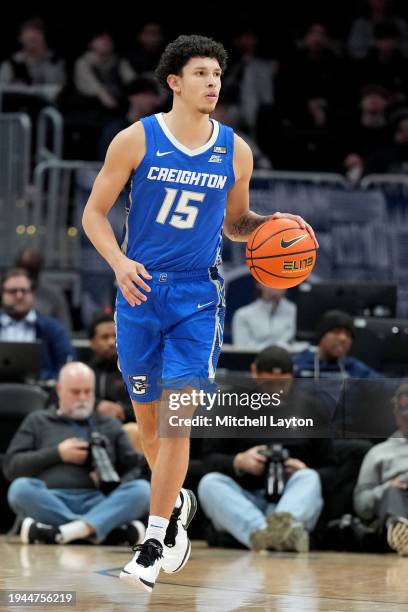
{"x": 177, "y": 199}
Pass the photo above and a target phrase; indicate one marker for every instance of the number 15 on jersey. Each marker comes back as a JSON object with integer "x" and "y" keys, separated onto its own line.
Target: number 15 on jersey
{"x": 185, "y": 214}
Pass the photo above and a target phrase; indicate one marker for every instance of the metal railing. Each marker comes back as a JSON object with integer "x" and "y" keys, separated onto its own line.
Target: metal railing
{"x": 18, "y": 198}
{"x": 15, "y": 155}
{"x": 314, "y": 178}
{"x": 55, "y": 211}
{"x": 376, "y": 180}
{"x": 50, "y": 124}
{"x": 15, "y": 149}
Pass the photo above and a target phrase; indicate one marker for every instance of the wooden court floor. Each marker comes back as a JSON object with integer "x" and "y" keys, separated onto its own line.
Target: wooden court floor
{"x": 214, "y": 580}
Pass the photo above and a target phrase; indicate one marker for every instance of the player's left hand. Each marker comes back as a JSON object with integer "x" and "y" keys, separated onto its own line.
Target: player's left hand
{"x": 300, "y": 221}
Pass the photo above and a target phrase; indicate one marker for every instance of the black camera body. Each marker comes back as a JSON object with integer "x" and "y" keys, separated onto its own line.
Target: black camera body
{"x": 107, "y": 478}
{"x": 276, "y": 455}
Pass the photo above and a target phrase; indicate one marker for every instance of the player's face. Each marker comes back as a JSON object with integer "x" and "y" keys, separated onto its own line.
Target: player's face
{"x": 200, "y": 83}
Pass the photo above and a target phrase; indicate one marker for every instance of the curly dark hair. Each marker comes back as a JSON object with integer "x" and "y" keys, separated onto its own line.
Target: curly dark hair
{"x": 180, "y": 51}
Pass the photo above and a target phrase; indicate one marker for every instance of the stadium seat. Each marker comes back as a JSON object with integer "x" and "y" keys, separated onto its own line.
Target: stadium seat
{"x": 16, "y": 402}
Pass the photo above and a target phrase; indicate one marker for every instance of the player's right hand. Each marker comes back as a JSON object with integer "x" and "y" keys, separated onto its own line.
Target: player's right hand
{"x": 128, "y": 275}
{"x": 73, "y": 450}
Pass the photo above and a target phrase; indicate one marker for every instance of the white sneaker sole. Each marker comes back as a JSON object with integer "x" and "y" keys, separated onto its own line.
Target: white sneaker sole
{"x": 24, "y": 530}
{"x": 184, "y": 561}
{"x": 136, "y": 581}
{"x": 192, "y": 509}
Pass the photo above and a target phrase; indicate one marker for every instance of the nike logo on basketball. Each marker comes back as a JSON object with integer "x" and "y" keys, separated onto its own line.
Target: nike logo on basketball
{"x": 203, "y": 305}
{"x": 287, "y": 243}
{"x": 161, "y": 153}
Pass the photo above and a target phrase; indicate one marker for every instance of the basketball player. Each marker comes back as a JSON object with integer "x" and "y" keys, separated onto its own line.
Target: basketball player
{"x": 186, "y": 172}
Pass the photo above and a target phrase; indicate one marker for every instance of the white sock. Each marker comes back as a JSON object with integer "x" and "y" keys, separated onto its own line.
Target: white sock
{"x": 75, "y": 530}
{"x": 156, "y": 528}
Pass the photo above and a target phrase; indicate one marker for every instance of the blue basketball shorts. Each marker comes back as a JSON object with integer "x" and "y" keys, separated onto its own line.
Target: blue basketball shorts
{"x": 173, "y": 337}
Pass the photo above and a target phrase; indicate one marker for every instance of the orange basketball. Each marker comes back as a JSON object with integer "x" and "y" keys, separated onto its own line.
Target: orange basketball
{"x": 280, "y": 254}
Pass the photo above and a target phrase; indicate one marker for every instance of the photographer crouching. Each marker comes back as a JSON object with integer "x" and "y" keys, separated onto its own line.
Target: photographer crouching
{"x": 75, "y": 474}
{"x": 268, "y": 495}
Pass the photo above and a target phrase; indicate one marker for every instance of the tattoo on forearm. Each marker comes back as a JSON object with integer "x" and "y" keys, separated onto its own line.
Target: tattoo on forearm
{"x": 245, "y": 225}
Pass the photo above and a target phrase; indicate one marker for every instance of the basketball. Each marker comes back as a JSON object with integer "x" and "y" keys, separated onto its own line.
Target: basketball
{"x": 280, "y": 254}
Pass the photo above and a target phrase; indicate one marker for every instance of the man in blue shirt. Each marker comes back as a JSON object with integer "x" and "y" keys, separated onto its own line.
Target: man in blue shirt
{"x": 335, "y": 334}
{"x": 20, "y": 322}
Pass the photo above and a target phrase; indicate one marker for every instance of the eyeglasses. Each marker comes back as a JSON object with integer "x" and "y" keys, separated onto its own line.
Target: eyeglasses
{"x": 18, "y": 290}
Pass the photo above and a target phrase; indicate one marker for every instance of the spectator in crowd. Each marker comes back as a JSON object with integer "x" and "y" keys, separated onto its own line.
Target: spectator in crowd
{"x": 143, "y": 59}
{"x": 48, "y": 299}
{"x": 271, "y": 319}
{"x": 56, "y": 487}
{"x": 143, "y": 99}
{"x": 112, "y": 398}
{"x": 249, "y": 80}
{"x": 297, "y": 133}
{"x": 232, "y": 494}
{"x": 224, "y": 113}
{"x": 391, "y": 158}
{"x": 97, "y": 73}
{"x": 331, "y": 359}
{"x": 20, "y": 322}
{"x": 381, "y": 491}
{"x": 299, "y": 137}
{"x": 35, "y": 68}
{"x": 309, "y": 79}
{"x": 365, "y": 131}
{"x": 384, "y": 65}
{"x": 361, "y": 35}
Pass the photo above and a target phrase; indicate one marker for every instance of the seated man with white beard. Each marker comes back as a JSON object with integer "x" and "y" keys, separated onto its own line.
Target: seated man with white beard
{"x": 56, "y": 486}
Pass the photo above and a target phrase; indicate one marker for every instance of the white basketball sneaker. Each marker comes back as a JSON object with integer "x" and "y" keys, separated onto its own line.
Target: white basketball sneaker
{"x": 177, "y": 546}
{"x": 143, "y": 569}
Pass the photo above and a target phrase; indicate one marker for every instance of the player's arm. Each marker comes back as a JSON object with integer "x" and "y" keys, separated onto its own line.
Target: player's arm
{"x": 240, "y": 222}
{"x": 123, "y": 156}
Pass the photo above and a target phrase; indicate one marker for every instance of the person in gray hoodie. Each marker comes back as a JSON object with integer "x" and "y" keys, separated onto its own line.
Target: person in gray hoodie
{"x": 381, "y": 492}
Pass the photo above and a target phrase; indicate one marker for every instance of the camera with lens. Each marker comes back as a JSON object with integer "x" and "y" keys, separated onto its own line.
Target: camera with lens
{"x": 106, "y": 477}
{"x": 275, "y": 471}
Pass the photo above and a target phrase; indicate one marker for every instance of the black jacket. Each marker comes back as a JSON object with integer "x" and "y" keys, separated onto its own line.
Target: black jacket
{"x": 317, "y": 453}
{"x": 33, "y": 451}
{"x": 109, "y": 385}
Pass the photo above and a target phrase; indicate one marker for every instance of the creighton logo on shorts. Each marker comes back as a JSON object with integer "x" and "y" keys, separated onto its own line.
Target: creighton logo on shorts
{"x": 139, "y": 384}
